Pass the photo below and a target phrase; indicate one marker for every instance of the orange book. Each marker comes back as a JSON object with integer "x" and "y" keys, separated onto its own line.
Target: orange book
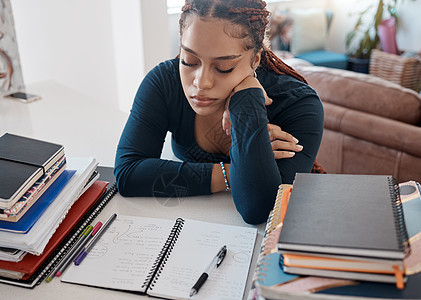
{"x": 395, "y": 268}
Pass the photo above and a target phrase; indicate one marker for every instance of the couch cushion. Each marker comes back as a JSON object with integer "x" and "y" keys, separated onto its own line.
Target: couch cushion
{"x": 325, "y": 59}
{"x": 364, "y": 92}
{"x": 309, "y": 30}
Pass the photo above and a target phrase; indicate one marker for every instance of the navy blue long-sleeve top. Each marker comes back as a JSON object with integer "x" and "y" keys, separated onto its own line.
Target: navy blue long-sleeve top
{"x": 161, "y": 106}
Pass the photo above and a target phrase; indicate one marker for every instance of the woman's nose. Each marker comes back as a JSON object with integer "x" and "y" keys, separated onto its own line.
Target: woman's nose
{"x": 203, "y": 79}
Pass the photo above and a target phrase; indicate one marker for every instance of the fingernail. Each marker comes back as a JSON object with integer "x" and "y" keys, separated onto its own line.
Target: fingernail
{"x": 295, "y": 140}
{"x": 300, "y": 147}
{"x": 291, "y": 153}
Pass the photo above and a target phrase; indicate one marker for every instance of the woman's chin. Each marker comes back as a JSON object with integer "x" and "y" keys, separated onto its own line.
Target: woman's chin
{"x": 206, "y": 110}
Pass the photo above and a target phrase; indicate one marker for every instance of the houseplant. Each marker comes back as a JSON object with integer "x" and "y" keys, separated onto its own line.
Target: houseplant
{"x": 364, "y": 36}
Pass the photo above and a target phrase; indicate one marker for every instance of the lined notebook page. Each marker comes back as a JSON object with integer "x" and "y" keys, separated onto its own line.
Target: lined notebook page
{"x": 124, "y": 255}
{"x": 126, "y": 252}
{"x": 196, "y": 246}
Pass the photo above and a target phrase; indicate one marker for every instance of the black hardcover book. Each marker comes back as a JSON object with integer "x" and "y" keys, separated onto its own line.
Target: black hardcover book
{"x": 354, "y": 215}
{"x": 22, "y": 161}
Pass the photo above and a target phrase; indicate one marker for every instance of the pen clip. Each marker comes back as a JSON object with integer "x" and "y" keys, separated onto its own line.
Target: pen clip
{"x": 221, "y": 255}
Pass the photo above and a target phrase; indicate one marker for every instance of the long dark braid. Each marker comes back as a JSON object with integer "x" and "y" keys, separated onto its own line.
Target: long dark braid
{"x": 252, "y": 15}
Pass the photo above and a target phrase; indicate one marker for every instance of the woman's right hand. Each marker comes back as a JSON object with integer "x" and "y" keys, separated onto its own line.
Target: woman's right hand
{"x": 248, "y": 82}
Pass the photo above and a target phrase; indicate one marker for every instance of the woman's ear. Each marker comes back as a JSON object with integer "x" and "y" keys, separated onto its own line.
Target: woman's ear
{"x": 256, "y": 60}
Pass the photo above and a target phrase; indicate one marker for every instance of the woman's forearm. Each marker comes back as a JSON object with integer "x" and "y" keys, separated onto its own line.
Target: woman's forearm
{"x": 254, "y": 174}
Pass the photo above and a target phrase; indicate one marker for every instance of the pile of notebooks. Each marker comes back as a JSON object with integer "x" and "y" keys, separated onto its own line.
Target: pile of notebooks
{"x": 43, "y": 195}
{"x": 345, "y": 226}
{"x": 340, "y": 235}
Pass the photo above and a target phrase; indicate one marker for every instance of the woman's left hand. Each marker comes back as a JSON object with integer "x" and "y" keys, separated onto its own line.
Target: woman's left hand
{"x": 248, "y": 82}
{"x": 284, "y": 145}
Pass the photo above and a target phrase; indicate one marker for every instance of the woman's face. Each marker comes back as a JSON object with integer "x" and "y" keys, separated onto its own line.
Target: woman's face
{"x": 212, "y": 63}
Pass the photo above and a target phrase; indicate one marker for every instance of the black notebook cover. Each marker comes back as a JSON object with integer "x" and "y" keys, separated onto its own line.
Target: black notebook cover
{"x": 358, "y": 215}
{"x": 22, "y": 158}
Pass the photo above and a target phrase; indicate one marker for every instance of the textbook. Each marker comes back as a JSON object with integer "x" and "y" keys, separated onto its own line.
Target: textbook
{"x": 335, "y": 221}
{"x": 33, "y": 268}
{"x": 19, "y": 209}
{"x": 36, "y": 210}
{"x": 22, "y": 162}
{"x": 164, "y": 258}
{"x": 35, "y": 240}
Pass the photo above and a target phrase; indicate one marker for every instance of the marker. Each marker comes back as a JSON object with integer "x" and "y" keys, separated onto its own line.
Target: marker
{"x": 69, "y": 256}
{"x": 78, "y": 260}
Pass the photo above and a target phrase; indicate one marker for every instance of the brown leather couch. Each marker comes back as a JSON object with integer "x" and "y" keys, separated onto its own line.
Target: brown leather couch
{"x": 372, "y": 126}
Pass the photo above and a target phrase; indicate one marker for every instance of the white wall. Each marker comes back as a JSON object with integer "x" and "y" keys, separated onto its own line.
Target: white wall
{"x": 409, "y": 26}
{"x": 69, "y": 42}
{"x": 156, "y": 36}
{"x": 127, "y": 40}
{"x": 101, "y": 48}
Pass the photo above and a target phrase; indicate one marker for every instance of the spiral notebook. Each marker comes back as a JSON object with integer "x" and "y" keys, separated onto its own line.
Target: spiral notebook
{"x": 345, "y": 226}
{"x": 268, "y": 271}
{"x": 164, "y": 258}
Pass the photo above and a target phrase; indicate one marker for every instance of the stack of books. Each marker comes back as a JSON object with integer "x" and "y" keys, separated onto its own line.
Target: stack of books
{"x": 27, "y": 168}
{"x": 345, "y": 226}
{"x": 43, "y": 195}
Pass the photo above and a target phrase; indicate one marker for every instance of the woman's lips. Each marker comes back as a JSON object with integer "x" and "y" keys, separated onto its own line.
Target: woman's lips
{"x": 202, "y": 101}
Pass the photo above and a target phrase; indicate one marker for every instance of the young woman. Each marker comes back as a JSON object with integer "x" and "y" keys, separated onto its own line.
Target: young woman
{"x": 240, "y": 118}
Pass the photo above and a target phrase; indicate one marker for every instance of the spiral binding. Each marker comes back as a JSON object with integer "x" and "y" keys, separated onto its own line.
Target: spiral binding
{"x": 400, "y": 225}
{"x": 274, "y": 220}
{"x": 58, "y": 254}
{"x": 163, "y": 255}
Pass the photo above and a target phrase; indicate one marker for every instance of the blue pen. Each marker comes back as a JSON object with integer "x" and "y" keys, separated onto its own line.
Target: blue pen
{"x": 92, "y": 242}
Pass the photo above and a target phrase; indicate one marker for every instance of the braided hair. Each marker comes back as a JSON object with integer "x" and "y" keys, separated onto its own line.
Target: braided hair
{"x": 252, "y": 16}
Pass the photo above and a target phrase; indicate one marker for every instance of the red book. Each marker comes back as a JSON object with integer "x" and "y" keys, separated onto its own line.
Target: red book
{"x": 30, "y": 263}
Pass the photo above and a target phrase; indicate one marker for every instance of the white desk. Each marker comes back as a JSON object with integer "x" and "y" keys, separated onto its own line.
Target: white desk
{"x": 87, "y": 128}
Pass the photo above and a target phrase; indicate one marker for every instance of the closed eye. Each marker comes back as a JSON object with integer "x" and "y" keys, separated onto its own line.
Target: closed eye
{"x": 183, "y": 62}
{"x": 225, "y": 71}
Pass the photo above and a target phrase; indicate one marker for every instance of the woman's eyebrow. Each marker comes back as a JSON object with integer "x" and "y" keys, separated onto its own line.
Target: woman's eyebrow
{"x": 225, "y": 57}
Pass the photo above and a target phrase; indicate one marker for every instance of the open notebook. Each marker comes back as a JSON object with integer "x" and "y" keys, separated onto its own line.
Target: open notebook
{"x": 163, "y": 258}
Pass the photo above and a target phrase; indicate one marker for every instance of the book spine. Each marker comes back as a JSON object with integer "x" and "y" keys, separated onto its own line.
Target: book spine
{"x": 163, "y": 255}
{"x": 401, "y": 232}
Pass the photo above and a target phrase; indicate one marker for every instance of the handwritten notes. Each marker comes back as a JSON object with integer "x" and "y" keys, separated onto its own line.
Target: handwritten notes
{"x": 128, "y": 251}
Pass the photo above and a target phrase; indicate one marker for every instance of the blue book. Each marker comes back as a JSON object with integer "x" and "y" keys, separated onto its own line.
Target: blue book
{"x": 271, "y": 273}
{"x": 37, "y": 209}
